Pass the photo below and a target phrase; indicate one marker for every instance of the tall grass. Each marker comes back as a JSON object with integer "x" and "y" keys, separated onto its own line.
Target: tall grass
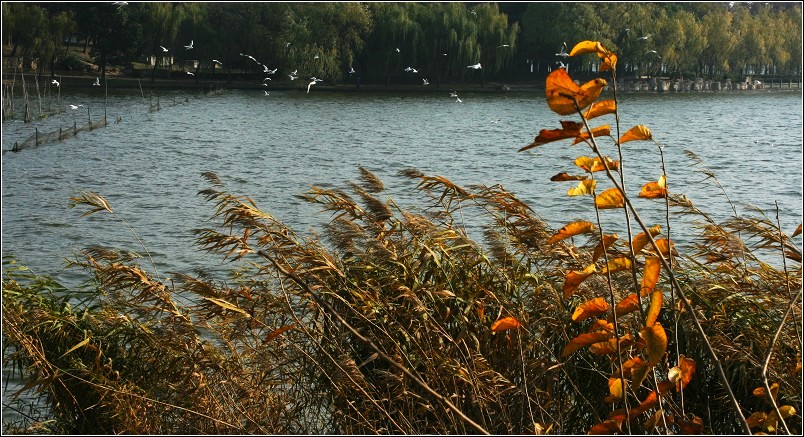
{"x": 385, "y": 323}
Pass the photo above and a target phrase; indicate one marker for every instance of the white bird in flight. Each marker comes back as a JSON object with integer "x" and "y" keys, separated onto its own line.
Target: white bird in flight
{"x": 55, "y": 82}
{"x": 503, "y": 45}
{"x": 97, "y": 82}
{"x": 453, "y": 94}
{"x": 189, "y": 46}
{"x": 191, "y": 74}
{"x": 266, "y": 93}
{"x": 425, "y": 82}
{"x": 397, "y": 49}
{"x": 120, "y": 4}
{"x": 315, "y": 57}
{"x": 645, "y": 38}
{"x": 458, "y": 100}
{"x": 217, "y": 61}
{"x": 351, "y": 70}
{"x": 267, "y": 71}
{"x": 294, "y": 72}
{"x": 164, "y": 50}
{"x": 292, "y": 77}
{"x": 75, "y": 106}
{"x": 311, "y": 84}
{"x": 267, "y": 78}
{"x": 563, "y": 53}
{"x": 476, "y": 66}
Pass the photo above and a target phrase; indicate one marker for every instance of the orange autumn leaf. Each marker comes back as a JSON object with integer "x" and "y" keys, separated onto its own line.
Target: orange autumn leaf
{"x": 642, "y": 240}
{"x": 627, "y": 305}
{"x": 585, "y": 47}
{"x": 655, "y": 190}
{"x": 563, "y": 176}
{"x": 505, "y": 324}
{"x": 277, "y": 332}
{"x": 636, "y": 133}
{"x": 574, "y": 279}
{"x": 599, "y": 131}
{"x": 760, "y": 392}
{"x": 616, "y": 265}
{"x": 756, "y": 419}
{"x": 571, "y": 230}
{"x": 637, "y": 369}
{"x": 665, "y": 247}
{"x": 590, "y": 308}
{"x": 569, "y": 129}
{"x": 591, "y": 165}
{"x": 584, "y": 340}
{"x": 562, "y": 92}
{"x": 655, "y": 307}
{"x": 604, "y": 244}
{"x": 584, "y": 187}
{"x": 611, "y": 198}
{"x": 609, "y": 62}
{"x": 690, "y": 427}
{"x": 681, "y": 375}
{"x": 655, "y": 342}
{"x": 602, "y": 107}
{"x": 610, "y": 347}
{"x": 605, "y": 427}
{"x": 653, "y": 266}
{"x": 796, "y": 232}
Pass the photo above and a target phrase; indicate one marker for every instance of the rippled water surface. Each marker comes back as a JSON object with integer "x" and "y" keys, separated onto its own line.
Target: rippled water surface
{"x": 275, "y": 147}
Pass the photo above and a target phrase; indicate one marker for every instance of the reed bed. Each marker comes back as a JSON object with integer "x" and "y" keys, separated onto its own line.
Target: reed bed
{"x": 391, "y": 320}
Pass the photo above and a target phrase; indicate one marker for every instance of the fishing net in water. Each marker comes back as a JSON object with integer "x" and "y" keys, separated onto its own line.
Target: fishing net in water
{"x": 39, "y": 138}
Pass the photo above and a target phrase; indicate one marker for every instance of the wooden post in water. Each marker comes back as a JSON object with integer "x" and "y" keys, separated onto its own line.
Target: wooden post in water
{"x": 75, "y": 128}
{"x": 36, "y": 136}
{"x": 60, "y": 133}
{"x": 89, "y": 118}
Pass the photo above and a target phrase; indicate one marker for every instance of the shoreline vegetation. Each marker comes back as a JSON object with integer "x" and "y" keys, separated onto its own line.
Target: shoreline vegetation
{"x": 391, "y": 320}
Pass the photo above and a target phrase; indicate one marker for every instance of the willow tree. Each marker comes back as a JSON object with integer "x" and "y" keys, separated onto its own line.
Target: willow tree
{"x": 161, "y": 24}
{"x": 496, "y": 38}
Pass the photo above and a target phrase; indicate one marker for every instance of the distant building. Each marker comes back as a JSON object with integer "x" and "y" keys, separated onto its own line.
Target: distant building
{"x": 164, "y": 61}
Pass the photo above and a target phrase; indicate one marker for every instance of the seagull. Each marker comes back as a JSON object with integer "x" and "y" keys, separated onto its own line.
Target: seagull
{"x": 266, "y": 93}
{"x": 292, "y": 77}
{"x": 164, "y": 50}
{"x": 190, "y": 46}
{"x": 315, "y": 57}
{"x": 561, "y": 65}
{"x": 414, "y": 70}
{"x": 351, "y": 70}
{"x": 120, "y": 4}
{"x": 75, "y": 106}
{"x": 476, "y": 66}
{"x": 397, "y": 49}
{"x": 425, "y": 82}
{"x": 267, "y": 78}
{"x": 314, "y": 79}
{"x": 563, "y": 53}
{"x": 458, "y": 100}
{"x": 453, "y": 94}
{"x": 250, "y": 57}
{"x": 496, "y": 121}
{"x": 645, "y": 38}
{"x": 409, "y": 69}
{"x": 191, "y": 74}
{"x": 217, "y": 61}
{"x": 267, "y": 71}
{"x": 504, "y": 45}
{"x": 311, "y": 84}
{"x": 287, "y": 44}
{"x": 293, "y": 73}
{"x": 97, "y": 82}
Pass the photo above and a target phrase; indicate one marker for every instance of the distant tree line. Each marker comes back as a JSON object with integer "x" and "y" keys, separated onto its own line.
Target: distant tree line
{"x": 512, "y": 41}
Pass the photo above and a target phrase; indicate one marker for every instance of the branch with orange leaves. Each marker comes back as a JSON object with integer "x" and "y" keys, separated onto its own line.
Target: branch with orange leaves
{"x": 687, "y": 305}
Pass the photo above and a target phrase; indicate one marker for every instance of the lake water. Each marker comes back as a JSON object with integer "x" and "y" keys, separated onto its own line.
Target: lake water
{"x": 275, "y": 147}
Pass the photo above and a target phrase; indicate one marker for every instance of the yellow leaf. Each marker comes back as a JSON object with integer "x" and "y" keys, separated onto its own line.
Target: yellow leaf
{"x": 606, "y": 242}
{"x": 574, "y": 279}
{"x": 638, "y": 369}
{"x": 655, "y": 342}
{"x": 616, "y": 265}
{"x": 599, "y": 131}
{"x": 641, "y": 240}
{"x": 562, "y": 92}
{"x": 611, "y": 198}
{"x": 655, "y": 190}
{"x": 584, "y": 187}
{"x": 81, "y": 343}
{"x": 756, "y": 419}
{"x": 602, "y": 107}
{"x": 681, "y": 375}
{"x": 616, "y": 387}
{"x": 226, "y": 305}
{"x": 760, "y": 392}
{"x": 665, "y": 247}
{"x": 591, "y": 165}
{"x": 636, "y": 133}
{"x": 590, "y": 308}
{"x": 650, "y": 277}
{"x": 656, "y": 299}
{"x": 570, "y": 230}
{"x": 505, "y": 324}
{"x": 585, "y": 47}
